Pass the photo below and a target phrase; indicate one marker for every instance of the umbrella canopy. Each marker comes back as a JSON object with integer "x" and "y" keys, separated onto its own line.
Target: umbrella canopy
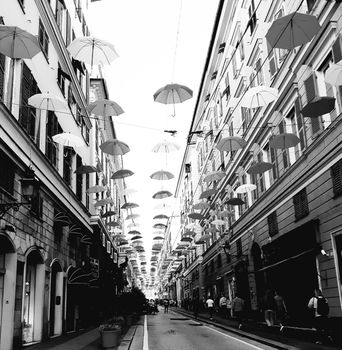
{"x": 235, "y": 201}
{"x": 48, "y": 102}
{"x": 225, "y": 213}
{"x": 85, "y": 169}
{"x": 218, "y": 222}
{"x": 133, "y": 225}
{"x": 259, "y": 168}
{"x": 135, "y": 238}
{"x": 114, "y": 147}
{"x": 292, "y": 30}
{"x": 108, "y": 214}
{"x": 231, "y": 143}
{"x": 162, "y": 194}
{"x": 333, "y": 75}
{"x": 105, "y": 108}
{"x": 259, "y": 96}
{"x": 283, "y": 141}
{"x": 172, "y": 93}
{"x": 92, "y": 50}
{"x": 134, "y": 232}
{"x": 245, "y": 188}
{"x": 18, "y": 43}
{"x": 158, "y": 238}
{"x": 318, "y": 106}
{"x": 159, "y": 226}
{"x": 214, "y": 176}
{"x": 68, "y": 140}
{"x": 121, "y": 174}
{"x": 160, "y": 216}
{"x": 129, "y": 205}
{"x": 208, "y": 193}
{"x": 103, "y": 202}
{"x": 186, "y": 239}
{"x": 196, "y": 216}
{"x": 132, "y": 216}
{"x": 165, "y": 147}
{"x": 201, "y": 206}
{"x": 96, "y": 189}
{"x": 162, "y": 175}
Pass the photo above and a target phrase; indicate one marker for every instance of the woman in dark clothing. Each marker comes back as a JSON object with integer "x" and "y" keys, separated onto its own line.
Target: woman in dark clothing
{"x": 269, "y": 307}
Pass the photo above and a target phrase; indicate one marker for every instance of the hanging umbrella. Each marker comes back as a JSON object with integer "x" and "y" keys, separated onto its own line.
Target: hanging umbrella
{"x": 96, "y": 189}
{"x": 158, "y": 238}
{"x": 218, "y": 222}
{"x": 92, "y": 50}
{"x": 135, "y": 238}
{"x": 103, "y": 202}
{"x": 245, "y": 188}
{"x": 113, "y": 223}
{"x": 114, "y": 147}
{"x": 231, "y": 143}
{"x": 121, "y": 174}
{"x": 49, "y": 102}
{"x": 196, "y": 216}
{"x": 235, "y": 201}
{"x": 68, "y": 140}
{"x": 162, "y": 175}
{"x": 132, "y": 216}
{"x": 333, "y": 75}
{"x": 208, "y": 193}
{"x": 18, "y": 43}
{"x": 259, "y": 96}
{"x": 162, "y": 194}
{"x": 160, "y": 216}
{"x": 259, "y": 168}
{"x": 105, "y": 108}
{"x": 108, "y": 214}
{"x": 160, "y": 226}
{"x": 319, "y": 105}
{"x": 214, "y": 176}
{"x": 283, "y": 141}
{"x": 186, "y": 239}
{"x": 129, "y": 205}
{"x": 225, "y": 213}
{"x": 165, "y": 147}
{"x": 133, "y": 225}
{"x": 128, "y": 191}
{"x": 85, "y": 169}
{"x": 201, "y": 206}
{"x": 292, "y": 30}
{"x": 134, "y": 232}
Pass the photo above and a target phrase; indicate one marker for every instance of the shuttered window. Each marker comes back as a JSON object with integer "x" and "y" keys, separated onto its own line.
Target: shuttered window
{"x": 43, "y": 39}
{"x": 272, "y": 222}
{"x": 336, "y": 175}
{"x": 300, "y": 125}
{"x": 301, "y": 205}
{"x": 7, "y": 177}
{"x": 67, "y": 165}
{"x": 285, "y": 155}
{"x": 79, "y": 179}
{"x": 2, "y": 76}
{"x": 51, "y": 148}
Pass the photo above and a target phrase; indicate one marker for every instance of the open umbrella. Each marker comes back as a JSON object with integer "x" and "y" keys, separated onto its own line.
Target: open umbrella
{"x": 133, "y": 225}
{"x": 18, "y": 43}
{"x": 134, "y": 232}
{"x": 162, "y": 194}
{"x": 114, "y": 147}
{"x": 129, "y": 205}
{"x": 235, "y": 201}
{"x": 319, "y": 105}
{"x": 292, "y": 30}
{"x": 259, "y": 96}
{"x": 113, "y": 223}
{"x": 96, "y": 189}
{"x": 132, "y": 216}
{"x": 162, "y": 175}
{"x": 103, "y": 202}
{"x": 333, "y": 75}
{"x": 158, "y": 238}
{"x": 122, "y": 173}
{"x": 201, "y": 206}
{"x": 92, "y": 50}
{"x": 231, "y": 143}
{"x": 218, "y": 222}
{"x": 49, "y": 102}
{"x": 186, "y": 239}
{"x": 214, "y": 176}
{"x": 108, "y": 214}
{"x": 160, "y": 216}
{"x": 85, "y": 169}
{"x": 259, "y": 168}
{"x": 195, "y": 216}
{"x": 208, "y": 193}
{"x": 225, "y": 213}
{"x": 165, "y": 147}
{"x": 285, "y": 140}
{"x": 105, "y": 108}
{"x": 68, "y": 140}
{"x": 245, "y": 188}
{"x": 159, "y": 226}
{"x": 135, "y": 238}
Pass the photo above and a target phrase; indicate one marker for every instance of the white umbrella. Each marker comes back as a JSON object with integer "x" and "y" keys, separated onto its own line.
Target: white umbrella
{"x": 245, "y": 188}
{"x": 114, "y": 147}
{"x": 105, "y": 108}
{"x": 162, "y": 175}
{"x": 214, "y": 176}
{"x": 231, "y": 143}
{"x": 162, "y": 194}
{"x": 96, "y": 189}
{"x": 68, "y": 140}
{"x": 92, "y": 50}
{"x": 165, "y": 147}
{"x": 259, "y": 168}
{"x": 49, "y": 102}
{"x": 208, "y": 193}
{"x": 218, "y": 222}
{"x": 285, "y": 140}
{"x": 201, "y": 206}
{"x": 259, "y": 96}
{"x": 333, "y": 75}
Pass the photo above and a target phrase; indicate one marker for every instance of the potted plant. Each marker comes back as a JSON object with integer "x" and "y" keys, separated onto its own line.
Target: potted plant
{"x": 110, "y": 334}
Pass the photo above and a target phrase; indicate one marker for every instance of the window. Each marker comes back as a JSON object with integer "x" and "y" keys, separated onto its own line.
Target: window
{"x": 219, "y": 260}
{"x": 252, "y": 17}
{"x": 272, "y": 222}
{"x": 67, "y": 165}
{"x": 272, "y": 158}
{"x": 300, "y": 125}
{"x": 43, "y": 39}
{"x": 284, "y": 151}
{"x": 2, "y": 76}
{"x": 79, "y": 179}
{"x": 238, "y": 248}
{"x": 301, "y": 206}
{"x": 37, "y": 206}
{"x": 52, "y": 148}
{"x": 7, "y": 177}
{"x": 60, "y": 9}
{"x": 336, "y": 175}
{"x": 61, "y": 79}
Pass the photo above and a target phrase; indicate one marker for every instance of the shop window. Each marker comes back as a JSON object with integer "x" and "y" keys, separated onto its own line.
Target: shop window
{"x": 272, "y": 222}
{"x": 336, "y": 174}
{"x": 301, "y": 205}
{"x": 43, "y": 39}
{"x": 2, "y": 76}
{"x": 7, "y": 177}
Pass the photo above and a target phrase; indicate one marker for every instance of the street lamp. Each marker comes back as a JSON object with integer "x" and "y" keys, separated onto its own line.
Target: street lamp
{"x": 226, "y": 248}
{"x": 29, "y": 187}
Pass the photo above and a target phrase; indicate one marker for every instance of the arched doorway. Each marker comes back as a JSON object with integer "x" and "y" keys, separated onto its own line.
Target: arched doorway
{"x": 259, "y": 276}
{"x": 33, "y": 297}
{"x": 56, "y": 299}
{"x": 8, "y": 267}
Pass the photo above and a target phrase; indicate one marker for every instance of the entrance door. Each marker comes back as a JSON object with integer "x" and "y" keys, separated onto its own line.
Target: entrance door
{"x": 29, "y": 302}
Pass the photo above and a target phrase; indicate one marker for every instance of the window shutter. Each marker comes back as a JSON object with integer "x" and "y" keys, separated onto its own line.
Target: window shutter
{"x": 336, "y": 174}
{"x": 301, "y": 206}
{"x": 272, "y": 224}
{"x": 337, "y": 50}
{"x": 2, "y": 75}
{"x": 239, "y": 247}
{"x": 310, "y": 87}
{"x": 300, "y": 125}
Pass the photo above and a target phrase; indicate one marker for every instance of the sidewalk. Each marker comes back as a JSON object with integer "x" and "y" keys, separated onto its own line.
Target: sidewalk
{"x": 291, "y": 337}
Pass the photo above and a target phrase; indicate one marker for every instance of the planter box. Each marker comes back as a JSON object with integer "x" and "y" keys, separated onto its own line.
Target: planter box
{"x": 110, "y": 338}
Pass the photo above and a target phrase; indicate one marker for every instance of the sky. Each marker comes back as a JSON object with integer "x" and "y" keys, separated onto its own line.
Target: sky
{"x": 159, "y": 42}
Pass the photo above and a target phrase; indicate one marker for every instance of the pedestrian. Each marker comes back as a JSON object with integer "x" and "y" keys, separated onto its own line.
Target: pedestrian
{"x": 269, "y": 308}
{"x": 223, "y": 305}
{"x": 321, "y": 308}
{"x": 166, "y": 305}
{"x": 280, "y": 309}
{"x": 210, "y": 306}
{"x": 238, "y": 306}
{"x": 229, "y": 307}
{"x": 195, "y": 306}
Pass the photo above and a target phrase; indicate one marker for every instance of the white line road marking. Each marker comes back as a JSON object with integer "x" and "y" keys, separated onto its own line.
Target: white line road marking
{"x": 229, "y": 336}
{"x": 145, "y": 341}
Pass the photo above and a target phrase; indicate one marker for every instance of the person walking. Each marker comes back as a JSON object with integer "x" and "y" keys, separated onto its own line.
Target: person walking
{"x": 321, "y": 308}
{"x": 210, "y": 306}
{"x": 238, "y": 305}
{"x": 223, "y": 305}
{"x": 166, "y": 306}
{"x": 280, "y": 309}
{"x": 269, "y": 308}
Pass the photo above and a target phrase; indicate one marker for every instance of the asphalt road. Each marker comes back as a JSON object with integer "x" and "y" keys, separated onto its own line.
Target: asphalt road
{"x": 172, "y": 331}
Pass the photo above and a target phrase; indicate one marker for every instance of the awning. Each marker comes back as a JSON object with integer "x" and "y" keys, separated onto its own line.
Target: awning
{"x": 286, "y": 260}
